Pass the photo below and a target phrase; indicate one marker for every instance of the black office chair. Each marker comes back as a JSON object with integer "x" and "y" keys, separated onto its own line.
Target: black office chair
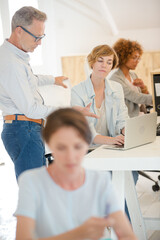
{"x": 49, "y": 158}
{"x": 156, "y": 186}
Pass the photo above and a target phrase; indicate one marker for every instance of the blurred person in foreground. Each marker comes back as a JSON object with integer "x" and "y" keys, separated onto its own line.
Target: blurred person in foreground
{"x": 66, "y": 201}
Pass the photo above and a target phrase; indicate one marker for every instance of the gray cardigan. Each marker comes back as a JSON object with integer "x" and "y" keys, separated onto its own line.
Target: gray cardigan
{"x": 132, "y": 98}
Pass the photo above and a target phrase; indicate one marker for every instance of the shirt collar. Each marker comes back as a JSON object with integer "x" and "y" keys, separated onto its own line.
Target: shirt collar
{"x": 109, "y": 88}
{"x": 25, "y": 56}
{"x": 89, "y": 87}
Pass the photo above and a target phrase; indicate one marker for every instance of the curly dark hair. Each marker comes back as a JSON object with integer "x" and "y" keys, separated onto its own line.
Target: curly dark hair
{"x": 124, "y": 49}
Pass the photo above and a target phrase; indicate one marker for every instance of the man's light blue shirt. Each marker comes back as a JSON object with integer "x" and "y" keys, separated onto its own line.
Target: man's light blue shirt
{"x": 19, "y": 86}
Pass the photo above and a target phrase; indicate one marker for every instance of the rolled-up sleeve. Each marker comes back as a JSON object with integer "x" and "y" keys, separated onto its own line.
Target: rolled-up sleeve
{"x": 45, "y": 80}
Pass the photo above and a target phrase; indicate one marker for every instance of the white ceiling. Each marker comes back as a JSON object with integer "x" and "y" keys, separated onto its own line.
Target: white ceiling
{"x": 126, "y": 14}
{"x": 135, "y": 14}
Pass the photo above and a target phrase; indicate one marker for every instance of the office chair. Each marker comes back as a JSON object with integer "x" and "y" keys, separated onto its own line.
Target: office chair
{"x": 156, "y": 186}
{"x": 158, "y": 129}
{"x": 49, "y": 158}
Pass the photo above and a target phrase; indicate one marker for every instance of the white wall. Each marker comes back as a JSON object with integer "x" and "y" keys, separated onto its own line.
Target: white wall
{"x": 77, "y": 31}
{"x": 73, "y": 28}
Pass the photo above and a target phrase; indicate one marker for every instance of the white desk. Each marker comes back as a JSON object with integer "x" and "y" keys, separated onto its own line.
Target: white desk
{"x": 146, "y": 157}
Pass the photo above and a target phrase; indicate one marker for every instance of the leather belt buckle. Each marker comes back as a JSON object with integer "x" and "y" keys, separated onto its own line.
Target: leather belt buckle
{"x": 8, "y": 121}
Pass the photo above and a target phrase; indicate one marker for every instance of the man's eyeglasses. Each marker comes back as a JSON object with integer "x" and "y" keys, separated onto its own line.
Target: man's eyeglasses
{"x": 36, "y": 38}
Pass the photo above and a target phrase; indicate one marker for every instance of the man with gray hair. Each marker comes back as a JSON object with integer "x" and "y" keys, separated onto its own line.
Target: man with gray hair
{"x": 22, "y": 106}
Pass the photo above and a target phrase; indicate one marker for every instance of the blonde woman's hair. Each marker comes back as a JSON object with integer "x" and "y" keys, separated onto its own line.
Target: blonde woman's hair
{"x": 102, "y": 51}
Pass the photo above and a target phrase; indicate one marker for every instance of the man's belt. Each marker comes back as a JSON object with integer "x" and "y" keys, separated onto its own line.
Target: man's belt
{"x": 23, "y": 118}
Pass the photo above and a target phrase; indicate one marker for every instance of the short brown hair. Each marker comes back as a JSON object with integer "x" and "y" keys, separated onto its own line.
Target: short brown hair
{"x": 70, "y": 118}
{"x": 102, "y": 51}
{"x": 25, "y": 15}
{"x": 124, "y": 49}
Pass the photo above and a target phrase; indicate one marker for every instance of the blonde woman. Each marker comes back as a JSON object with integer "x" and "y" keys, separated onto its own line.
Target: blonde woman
{"x": 106, "y": 97}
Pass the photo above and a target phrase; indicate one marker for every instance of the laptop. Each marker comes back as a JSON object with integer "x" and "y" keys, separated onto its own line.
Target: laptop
{"x": 139, "y": 130}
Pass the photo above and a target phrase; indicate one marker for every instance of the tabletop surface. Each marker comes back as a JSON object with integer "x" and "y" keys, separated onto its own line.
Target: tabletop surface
{"x": 146, "y": 157}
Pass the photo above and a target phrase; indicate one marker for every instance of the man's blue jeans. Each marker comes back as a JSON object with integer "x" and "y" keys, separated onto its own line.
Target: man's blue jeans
{"x": 24, "y": 144}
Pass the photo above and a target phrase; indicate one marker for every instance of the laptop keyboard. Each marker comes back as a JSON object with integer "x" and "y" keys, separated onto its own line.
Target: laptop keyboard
{"x": 114, "y": 147}
{"x": 119, "y": 146}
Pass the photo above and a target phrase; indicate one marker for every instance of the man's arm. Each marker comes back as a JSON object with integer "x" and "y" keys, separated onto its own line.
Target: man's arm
{"x": 19, "y": 93}
{"x": 49, "y": 80}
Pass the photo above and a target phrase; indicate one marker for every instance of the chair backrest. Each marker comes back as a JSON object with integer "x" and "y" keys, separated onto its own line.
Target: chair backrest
{"x": 57, "y": 96}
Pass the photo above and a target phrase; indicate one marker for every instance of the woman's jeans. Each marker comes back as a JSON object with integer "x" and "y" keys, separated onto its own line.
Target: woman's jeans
{"x": 24, "y": 144}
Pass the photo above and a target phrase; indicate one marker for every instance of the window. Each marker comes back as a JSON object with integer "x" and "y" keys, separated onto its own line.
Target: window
{"x": 1, "y": 31}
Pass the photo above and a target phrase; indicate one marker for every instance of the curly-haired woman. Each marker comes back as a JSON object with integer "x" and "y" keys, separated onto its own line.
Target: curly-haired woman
{"x": 135, "y": 92}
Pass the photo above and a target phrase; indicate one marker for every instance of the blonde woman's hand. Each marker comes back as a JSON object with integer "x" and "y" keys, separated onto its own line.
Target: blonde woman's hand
{"x": 118, "y": 140}
{"x": 86, "y": 111}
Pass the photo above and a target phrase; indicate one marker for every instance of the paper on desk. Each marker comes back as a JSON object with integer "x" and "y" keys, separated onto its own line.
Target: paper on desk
{"x": 157, "y": 87}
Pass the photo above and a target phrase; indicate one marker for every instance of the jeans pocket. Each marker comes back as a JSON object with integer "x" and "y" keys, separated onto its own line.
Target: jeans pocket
{"x": 11, "y": 144}
{"x": 14, "y": 137}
